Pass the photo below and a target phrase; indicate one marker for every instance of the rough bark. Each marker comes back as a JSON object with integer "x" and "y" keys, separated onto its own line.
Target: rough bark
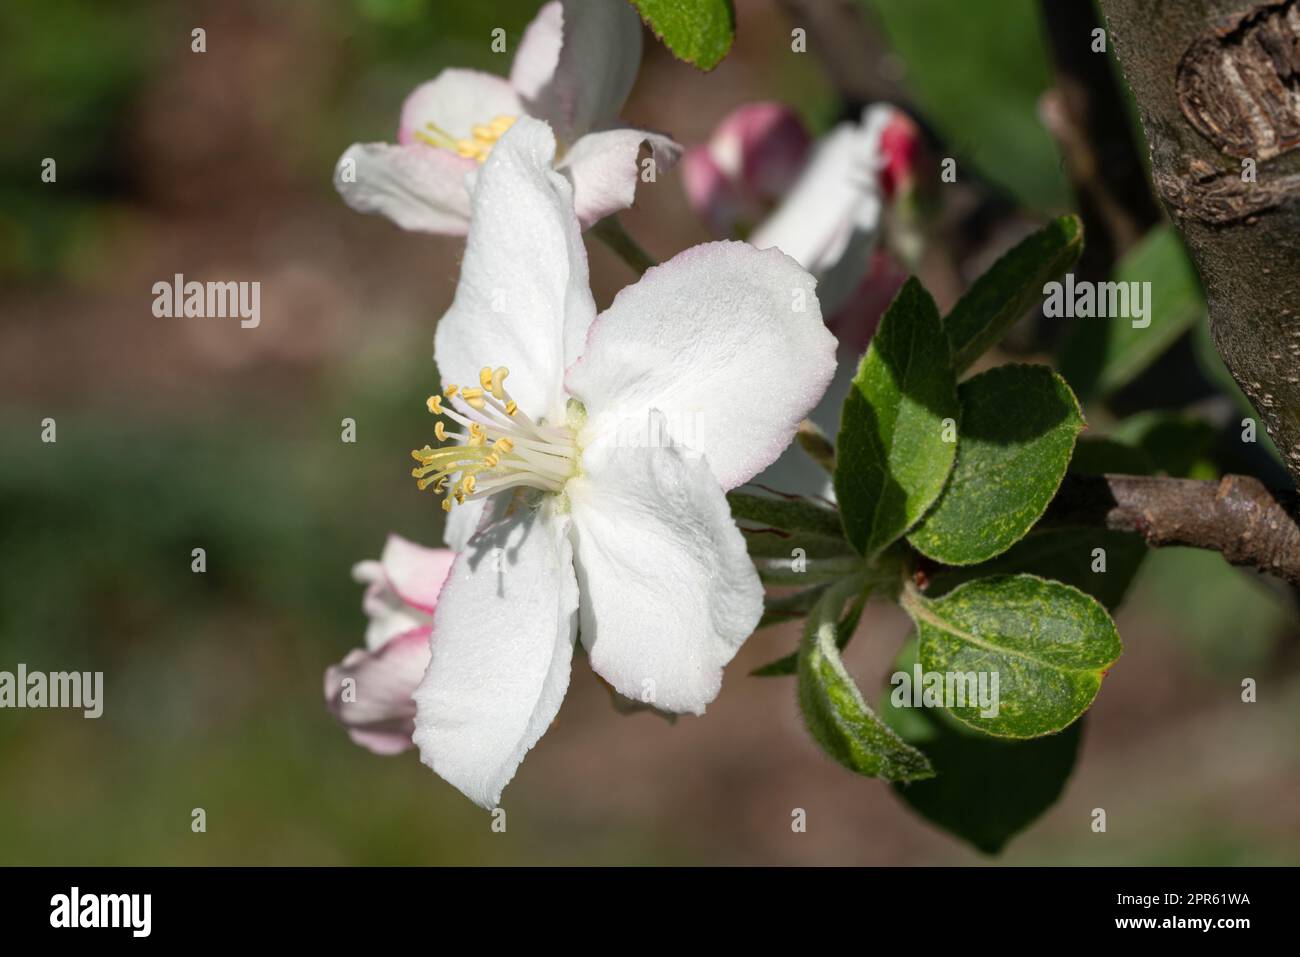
{"x": 1236, "y": 516}
{"x": 1217, "y": 84}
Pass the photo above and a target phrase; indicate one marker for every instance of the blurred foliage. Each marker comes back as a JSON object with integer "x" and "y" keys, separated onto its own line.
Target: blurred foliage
{"x": 977, "y": 70}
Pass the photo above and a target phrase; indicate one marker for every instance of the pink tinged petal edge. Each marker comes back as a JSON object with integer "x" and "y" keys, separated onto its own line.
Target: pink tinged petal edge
{"x": 605, "y": 167}
{"x": 502, "y": 645}
{"x": 382, "y": 718}
{"x": 416, "y": 573}
{"x": 714, "y": 340}
{"x": 417, "y": 187}
{"x": 669, "y": 592}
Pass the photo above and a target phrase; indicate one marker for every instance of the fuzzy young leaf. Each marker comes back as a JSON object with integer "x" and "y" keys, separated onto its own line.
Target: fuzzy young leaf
{"x": 789, "y": 664}
{"x": 985, "y": 790}
{"x": 791, "y": 513}
{"x": 1049, "y": 644}
{"x": 1014, "y": 284}
{"x": 697, "y": 31}
{"x": 837, "y": 716}
{"x": 1018, "y": 429}
{"x": 891, "y": 456}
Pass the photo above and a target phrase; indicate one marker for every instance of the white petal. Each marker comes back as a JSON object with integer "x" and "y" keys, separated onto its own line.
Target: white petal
{"x": 668, "y": 590}
{"x": 830, "y": 218}
{"x": 599, "y": 56}
{"x": 502, "y": 643}
{"x": 455, "y": 101}
{"x": 605, "y": 167}
{"x": 462, "y": 522}
{"x": 523, "y": 300}
{"x": 417, "y": 187}
{"x": 728, "y": 342}
{"x": 538, "y": 52}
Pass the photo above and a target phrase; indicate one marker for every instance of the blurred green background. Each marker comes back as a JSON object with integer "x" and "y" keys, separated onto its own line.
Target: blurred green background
{"x": 179, "y": 433}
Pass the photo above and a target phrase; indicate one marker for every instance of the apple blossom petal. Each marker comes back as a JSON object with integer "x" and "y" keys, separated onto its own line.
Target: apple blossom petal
{"x": 456, "y": 101}
{"x": 726, "y": 341}
{"x": 830, "y": 218}
{"x": 604, "y": 169}
{"x": 523, "y": 300}
{"x": 502, "y": 644}
{"x": 415, "y": 573}
{"x": 669, "y": 592}
{"x": 597, "y": 64}
{"x": 370, "y": 691}
{"x": 417, "y": 187}
{"x": 462, "y": 522}
{"x": 538, "y": 52}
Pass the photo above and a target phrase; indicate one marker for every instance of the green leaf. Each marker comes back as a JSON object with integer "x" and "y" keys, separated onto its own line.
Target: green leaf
{"x": 1013, "y": 285}
{"x": 789, "y": 664}
{"x": 1099, "y": 456}
{"x": 1049, "y": 644}
{"x": 891, "y": 457}
{"x": 837, "y": 716}
{"x": 1103, "y": 354}
{"x": 1177, "y": 444}
{"x": 792, "y": 513}
{"x": 782, "y": 608}
{"x": 985, "y": 790}
{"x": 1018, "y": 429}
{"x": 1064, "y": 555}
{"x": 697, "y": 31}
{"x": 978, "y": 71}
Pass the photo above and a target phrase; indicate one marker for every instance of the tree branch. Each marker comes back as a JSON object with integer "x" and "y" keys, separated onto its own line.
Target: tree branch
{"x": 1215, "y": 84}
{"x": 1236, "y": 516}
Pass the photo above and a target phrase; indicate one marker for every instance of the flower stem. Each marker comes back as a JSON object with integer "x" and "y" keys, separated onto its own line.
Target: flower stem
{"x": 611, "y": 232}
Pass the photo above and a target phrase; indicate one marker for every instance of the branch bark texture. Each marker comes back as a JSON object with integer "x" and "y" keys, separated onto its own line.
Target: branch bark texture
{"x": 1236, "y": 516}
{"x": 1217, "y": 84}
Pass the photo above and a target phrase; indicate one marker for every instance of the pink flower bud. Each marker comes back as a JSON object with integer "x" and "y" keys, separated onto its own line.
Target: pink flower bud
{"x": 751, "y": 160}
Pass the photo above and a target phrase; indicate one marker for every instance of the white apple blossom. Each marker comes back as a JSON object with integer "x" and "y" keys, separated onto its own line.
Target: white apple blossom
{"x": 604, "y": 446}
{"x": 574, "y": 68}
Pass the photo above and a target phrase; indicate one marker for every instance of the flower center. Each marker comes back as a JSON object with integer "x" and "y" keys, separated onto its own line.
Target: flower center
{"x": 476, "y": 146}
{"x": 499, "y": 448}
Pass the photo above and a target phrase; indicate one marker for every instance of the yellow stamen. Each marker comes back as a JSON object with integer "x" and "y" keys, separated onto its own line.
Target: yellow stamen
{"x": 495, "y": 381}
{"x": 512, "y": 407}
{"x": 485, "y": 377}
{"x": 434, "y": 404}
{"x": 440, "y": 432}
{"x": 451, "y": 390}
